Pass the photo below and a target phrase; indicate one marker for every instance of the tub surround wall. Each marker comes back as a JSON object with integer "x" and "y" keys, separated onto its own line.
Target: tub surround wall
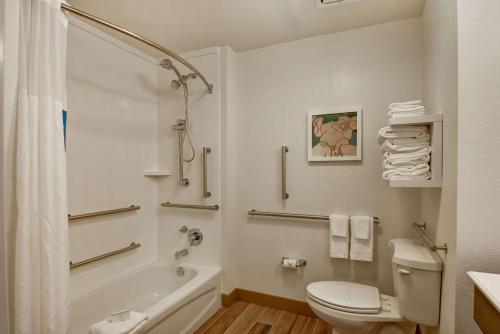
{"x": 439, "y": 206}
{"x": 276, "y": 87}
{"x": 112, "y": 139}
{"x": 478, "y": 157}
{"x": 205, "y": 114}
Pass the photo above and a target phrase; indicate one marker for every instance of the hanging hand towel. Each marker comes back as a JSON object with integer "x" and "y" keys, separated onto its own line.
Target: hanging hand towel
{"x": 362, "y": 238}
{"x": 133, "y": 325}
{"x": 360, "y": 227}
{"x": 339, "y": 242}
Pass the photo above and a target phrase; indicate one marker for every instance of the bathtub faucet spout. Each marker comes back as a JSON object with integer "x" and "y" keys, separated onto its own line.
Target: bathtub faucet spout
{"x": 181, "y": 253}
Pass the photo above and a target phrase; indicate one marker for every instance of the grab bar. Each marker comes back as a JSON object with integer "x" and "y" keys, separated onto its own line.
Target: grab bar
{"x": 103, "y": 213}
{"x": 214, "y": 207}
{"x": 206, "y": 193}
{"x": 284, "y": 194}
{"x": 133, "y": 245}
{"x": 253, "y": 212}
{"x": 426, "y": 238}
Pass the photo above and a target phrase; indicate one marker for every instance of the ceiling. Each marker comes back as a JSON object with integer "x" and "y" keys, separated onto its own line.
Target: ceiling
{"x": 186, "y": 25}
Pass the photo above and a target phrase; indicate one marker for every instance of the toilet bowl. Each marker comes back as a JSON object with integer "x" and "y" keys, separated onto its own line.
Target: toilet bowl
{"x": 356, "y": 309}
{"x": 353, "y": 308}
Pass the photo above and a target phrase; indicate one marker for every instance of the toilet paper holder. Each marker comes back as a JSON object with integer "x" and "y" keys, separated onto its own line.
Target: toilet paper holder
{"x": 300, "y": 263}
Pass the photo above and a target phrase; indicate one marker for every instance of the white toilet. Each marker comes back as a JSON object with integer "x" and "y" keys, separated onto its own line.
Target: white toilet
{"x": 360, "y": 309}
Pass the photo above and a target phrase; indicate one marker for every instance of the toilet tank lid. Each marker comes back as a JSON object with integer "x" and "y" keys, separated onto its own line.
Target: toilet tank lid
{"x": 413, "y": 253}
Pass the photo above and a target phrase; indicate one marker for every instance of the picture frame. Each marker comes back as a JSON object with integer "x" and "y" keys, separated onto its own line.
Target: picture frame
{"x": 335, "y": 135}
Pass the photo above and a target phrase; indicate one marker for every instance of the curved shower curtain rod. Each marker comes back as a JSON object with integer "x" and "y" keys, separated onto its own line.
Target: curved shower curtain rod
{"x": 139, "y": 38}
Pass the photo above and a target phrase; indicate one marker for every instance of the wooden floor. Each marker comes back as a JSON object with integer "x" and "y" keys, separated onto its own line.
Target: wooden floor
{"x": 245, "y": 318}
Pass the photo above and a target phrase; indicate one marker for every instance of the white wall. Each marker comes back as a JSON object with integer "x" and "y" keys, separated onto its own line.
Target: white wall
{"x": 276, "y": 87}
{"x": 439, "y": 206}
{"x": 478, "y": 194}
{"x": 205, "y": 118}
{"x": 112, "y": 118}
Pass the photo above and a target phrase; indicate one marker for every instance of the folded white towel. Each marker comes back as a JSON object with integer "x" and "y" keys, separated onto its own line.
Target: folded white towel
{"x": 362, "y": 249}
{"x": 408, "y": 155}
{"x": 419, "y": 172}
{"x": 396, "y": 163}
{"x": 406, "y": 109}
{"x": 405, "y": 131}
{"x": 134, "y": 325}
{"x": 390, "y": 146}
{"x": 360, "y": 227}
{"x": 339, "y": 231}
{"x": 403, "y": 104}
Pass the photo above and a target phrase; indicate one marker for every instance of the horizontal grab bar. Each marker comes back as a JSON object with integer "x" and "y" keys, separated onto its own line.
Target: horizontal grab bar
{"x": 133, "y": 245}
{"x": 214, "y": 207}
{"x": 426, "y": 238}
{"x": 103, "y": 213}
{"x": 254, "y": 212}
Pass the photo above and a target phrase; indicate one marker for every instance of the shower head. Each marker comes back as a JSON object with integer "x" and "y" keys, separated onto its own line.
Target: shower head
{"x": 175, "y": 84}
{"x": 167, "y": 64}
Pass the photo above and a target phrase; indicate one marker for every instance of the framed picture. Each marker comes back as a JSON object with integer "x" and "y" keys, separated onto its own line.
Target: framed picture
{"x": 335, "y": 135}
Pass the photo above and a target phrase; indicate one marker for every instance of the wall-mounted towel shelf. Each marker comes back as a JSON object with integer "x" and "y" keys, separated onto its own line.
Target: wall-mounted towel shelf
{"x": 254, "y": 212}
{"x": 426, "y": 238}
{"x": 435, "y": 123}
{"x": 214, "y": 207}
{"x": 103, "y": 213}
{"x": 157, "y": 173}
{"x": 132, "y": 245}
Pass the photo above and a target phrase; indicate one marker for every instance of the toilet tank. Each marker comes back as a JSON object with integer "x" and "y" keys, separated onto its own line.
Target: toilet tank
{"x": 417, "y": 280}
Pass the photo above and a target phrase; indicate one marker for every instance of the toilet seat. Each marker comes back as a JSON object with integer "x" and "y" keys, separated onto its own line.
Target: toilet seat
{"x": 346, "y": 296}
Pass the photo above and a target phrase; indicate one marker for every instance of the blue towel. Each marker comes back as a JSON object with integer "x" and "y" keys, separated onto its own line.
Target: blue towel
{"x": 65, "y": 119}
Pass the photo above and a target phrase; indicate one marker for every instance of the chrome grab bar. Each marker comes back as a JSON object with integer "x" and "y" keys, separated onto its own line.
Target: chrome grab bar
{"x": 103, "y": 213}
{"x": 426, "y": 238}
{"x": 253, "y": 212}
{"x": 284, "y": 194}
{"x": 214, "y": 207}
{"x": 132, "y": 245}
{"x": 206, "y": 193}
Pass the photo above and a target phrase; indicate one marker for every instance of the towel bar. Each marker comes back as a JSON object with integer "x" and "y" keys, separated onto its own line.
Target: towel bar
{"x": 254, "y": 212}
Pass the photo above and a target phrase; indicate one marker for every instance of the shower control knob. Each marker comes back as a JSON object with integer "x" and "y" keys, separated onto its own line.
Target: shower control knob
{"x": 195, "y": 237}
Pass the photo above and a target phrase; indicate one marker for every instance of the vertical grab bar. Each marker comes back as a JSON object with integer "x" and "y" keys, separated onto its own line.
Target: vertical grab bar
{"x": 284, "y": 194}
{"x": 206, "y": 193}
{"x": 182, "y": 180}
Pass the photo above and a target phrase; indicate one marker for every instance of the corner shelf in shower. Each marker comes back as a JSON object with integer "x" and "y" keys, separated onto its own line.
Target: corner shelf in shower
{"x": 157, "y": 173}
{"x": 435, "y": 123}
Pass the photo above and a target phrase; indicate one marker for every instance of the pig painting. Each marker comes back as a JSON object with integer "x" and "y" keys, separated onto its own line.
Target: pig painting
{"x": 334, "y": 136}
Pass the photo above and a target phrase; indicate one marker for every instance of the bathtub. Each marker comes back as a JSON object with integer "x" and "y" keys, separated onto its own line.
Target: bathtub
{"x": 174, "y": 304}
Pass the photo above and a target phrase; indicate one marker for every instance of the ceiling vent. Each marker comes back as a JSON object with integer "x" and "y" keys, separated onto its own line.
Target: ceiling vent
{"x": 331, "y": 3}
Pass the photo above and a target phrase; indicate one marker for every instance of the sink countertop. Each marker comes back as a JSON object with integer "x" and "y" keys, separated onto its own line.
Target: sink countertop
{"x": 489, "y": 284}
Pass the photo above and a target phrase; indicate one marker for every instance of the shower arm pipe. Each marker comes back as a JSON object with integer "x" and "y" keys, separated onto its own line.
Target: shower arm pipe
{"x": 135, "y": 36}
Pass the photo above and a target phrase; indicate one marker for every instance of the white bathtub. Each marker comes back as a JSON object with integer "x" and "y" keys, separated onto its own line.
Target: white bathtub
{"x": 175, "y": 304}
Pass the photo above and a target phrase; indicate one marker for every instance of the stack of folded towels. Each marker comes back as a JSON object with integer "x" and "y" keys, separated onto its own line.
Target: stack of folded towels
{"x": 407, "y": 148}
{"x": 404, "y": 109}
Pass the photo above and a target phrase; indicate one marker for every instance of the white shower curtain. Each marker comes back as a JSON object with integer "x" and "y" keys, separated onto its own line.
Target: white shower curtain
{"x": 41, "y": 263}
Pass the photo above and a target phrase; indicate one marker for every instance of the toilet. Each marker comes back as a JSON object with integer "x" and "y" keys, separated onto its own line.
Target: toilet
{"x": 353, "y": 308}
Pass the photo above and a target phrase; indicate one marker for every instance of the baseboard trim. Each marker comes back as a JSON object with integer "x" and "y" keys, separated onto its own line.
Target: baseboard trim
{"x": 264, "y": 299}
{"x": 229, "y": 299}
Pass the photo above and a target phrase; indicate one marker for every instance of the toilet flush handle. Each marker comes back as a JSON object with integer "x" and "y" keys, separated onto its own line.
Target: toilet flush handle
{"x": 404, "y": 272}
